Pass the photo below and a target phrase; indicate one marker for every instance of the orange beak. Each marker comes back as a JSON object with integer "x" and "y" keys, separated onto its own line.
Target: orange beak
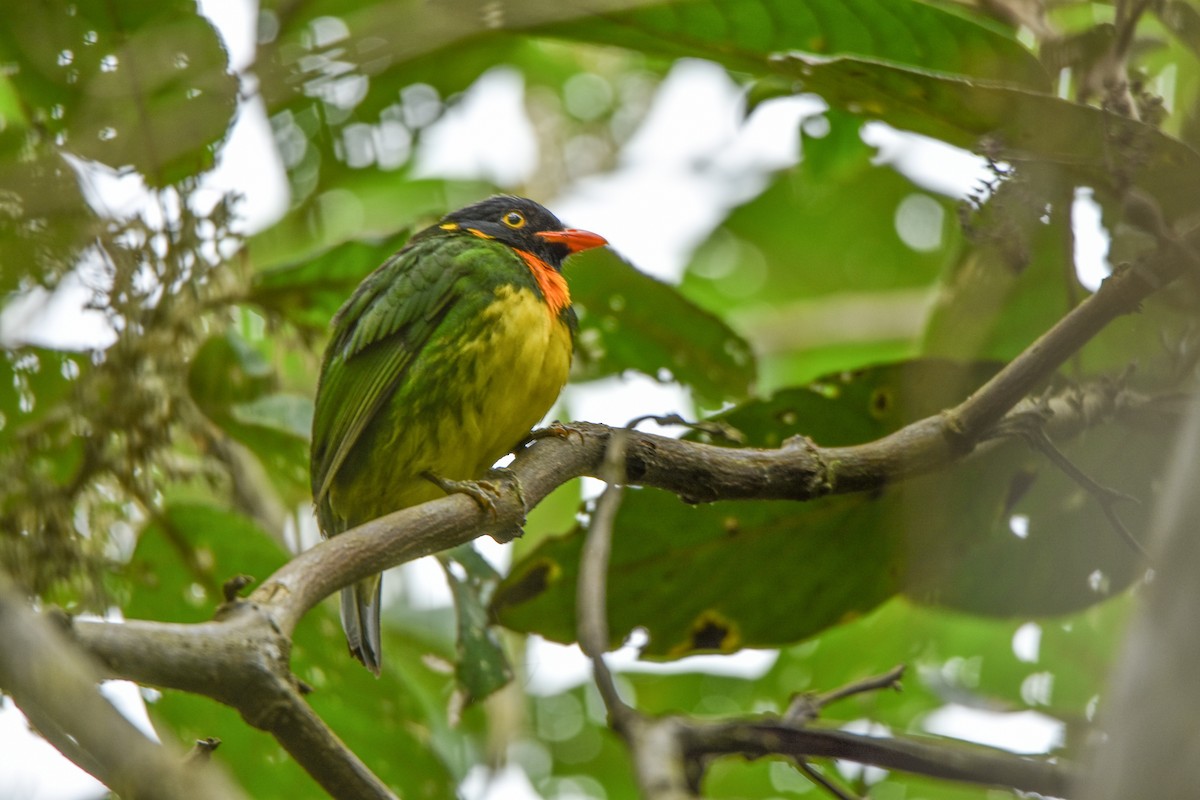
{"x": 574, "y": 239}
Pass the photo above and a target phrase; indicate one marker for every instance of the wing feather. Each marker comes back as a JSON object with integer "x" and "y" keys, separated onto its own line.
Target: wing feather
{"x": 379, "y": 332}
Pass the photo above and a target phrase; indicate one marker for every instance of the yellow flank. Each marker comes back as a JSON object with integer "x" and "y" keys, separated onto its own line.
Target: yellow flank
{"x": 483, "y": 393}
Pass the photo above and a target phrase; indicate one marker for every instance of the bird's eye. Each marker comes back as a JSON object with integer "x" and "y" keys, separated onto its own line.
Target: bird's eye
{"x": 514, "y": 219}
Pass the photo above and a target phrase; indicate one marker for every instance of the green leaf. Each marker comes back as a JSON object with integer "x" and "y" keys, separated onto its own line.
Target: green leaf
{"x": 745, "y": 35}
{"x": 482, "y": 667}
{"x": 392, "y": 723}
{"x": 1010, "y": 124}
{"x": 814, "y": 270}
{"x": 628, "y": 320}
{"x": 356, "y": 204}
{"x": 126, "y": 84}
{"x": 1011, "y": 287}
{"x": 288, "y": 414}
{"x": 234, "y": 386}
{"x": 227, "y": 370}
{"x": 308, "y": 293}
{"x": 46, "y": 224}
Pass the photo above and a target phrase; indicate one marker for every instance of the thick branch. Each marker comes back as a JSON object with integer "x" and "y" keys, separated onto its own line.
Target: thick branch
{"x": 55, "y": 685}
{"x": 239, "y": 659}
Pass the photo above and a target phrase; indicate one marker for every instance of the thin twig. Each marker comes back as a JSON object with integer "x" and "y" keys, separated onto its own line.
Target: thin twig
{"x": 806, "y": 706}
{"x": 592, "y": 597}
{"x": 1029, "y": 428}
{"x": 825, "y": 783}
{"x": 1105, "y": 497}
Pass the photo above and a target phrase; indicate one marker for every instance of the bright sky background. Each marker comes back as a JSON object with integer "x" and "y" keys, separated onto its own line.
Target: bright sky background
{"x": 691, "y": 161}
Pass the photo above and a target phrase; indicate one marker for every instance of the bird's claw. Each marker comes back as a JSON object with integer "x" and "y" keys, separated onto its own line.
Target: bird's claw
{"x": 484, "y": 493}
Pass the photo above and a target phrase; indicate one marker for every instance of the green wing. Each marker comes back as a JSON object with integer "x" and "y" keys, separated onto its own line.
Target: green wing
{"x": 378, "y": 334}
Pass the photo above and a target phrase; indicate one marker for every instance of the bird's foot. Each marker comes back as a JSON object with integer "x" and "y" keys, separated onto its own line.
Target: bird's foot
{"x": 485, "y": 493}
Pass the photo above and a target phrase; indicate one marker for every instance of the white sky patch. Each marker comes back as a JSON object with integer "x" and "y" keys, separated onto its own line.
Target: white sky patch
{"x": 1024, "y": 732}
{"x": 507, "y": 783}
{"x": 55, "y": 319}
{"x": 486, "y": 134}
{"x": 237, "y": 23}
{"x": 1027, "y": 641}
{"x": 617, "y": 400}
{"x": 1091, "y": 240}
{"x": 693, "y": 158}
{"x": 929, "y": 163}
{"x": 551, "y": 668}
{"x": 33, "y": 769}
{"x": 249, "y": 151}
{"x": 1018, "y": 525}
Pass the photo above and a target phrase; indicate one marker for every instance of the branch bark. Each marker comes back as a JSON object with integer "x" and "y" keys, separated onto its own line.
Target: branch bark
{"x": 55, "y": 685}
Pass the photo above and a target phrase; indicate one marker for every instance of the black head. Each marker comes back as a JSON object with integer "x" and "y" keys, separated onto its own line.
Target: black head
{"x": 521, "y": 224}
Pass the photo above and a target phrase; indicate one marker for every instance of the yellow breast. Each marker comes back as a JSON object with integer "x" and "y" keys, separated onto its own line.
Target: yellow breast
{"x": 471, "y": 397}
{"x": 520, "y": 365}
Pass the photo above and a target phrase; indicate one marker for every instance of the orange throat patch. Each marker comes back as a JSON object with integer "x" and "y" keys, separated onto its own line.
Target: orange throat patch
{"x": 550, "y": 281}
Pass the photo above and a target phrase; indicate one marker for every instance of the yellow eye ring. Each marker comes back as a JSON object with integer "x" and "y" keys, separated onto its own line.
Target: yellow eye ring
{"x": 514, "y": 219}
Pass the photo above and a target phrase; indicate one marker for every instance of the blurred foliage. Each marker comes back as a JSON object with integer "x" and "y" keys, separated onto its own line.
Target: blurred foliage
{"x": 835, "y": 299}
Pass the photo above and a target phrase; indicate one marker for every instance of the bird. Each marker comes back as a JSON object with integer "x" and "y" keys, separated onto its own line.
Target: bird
{"x": 439, "y": 363}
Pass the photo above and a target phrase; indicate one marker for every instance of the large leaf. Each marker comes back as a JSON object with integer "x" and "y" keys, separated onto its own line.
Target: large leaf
{"x": 1097, "y": 148}
{"x": 822, "y": 236}
{"x": 629, "y": 320}
{"x": 181, "y": 561}
{"x": 125, "y": 83}
{"x": 308, "y": 293}
{"x": 234, "y": 386}
{"x": 1002, "y": 534}
{"x": 744, "y": 34}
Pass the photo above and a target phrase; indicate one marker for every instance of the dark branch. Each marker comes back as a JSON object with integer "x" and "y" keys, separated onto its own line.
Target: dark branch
{"x": 936, "y": 758}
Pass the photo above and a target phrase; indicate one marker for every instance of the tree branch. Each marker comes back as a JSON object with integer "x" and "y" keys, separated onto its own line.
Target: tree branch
{"x": 239, "y": 659}
{"x": 937, "y": 758}
{"x": 54, "y": 684}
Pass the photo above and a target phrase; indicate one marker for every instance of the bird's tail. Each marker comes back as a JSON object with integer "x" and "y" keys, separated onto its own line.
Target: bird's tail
{"x": 360, "y": 620}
